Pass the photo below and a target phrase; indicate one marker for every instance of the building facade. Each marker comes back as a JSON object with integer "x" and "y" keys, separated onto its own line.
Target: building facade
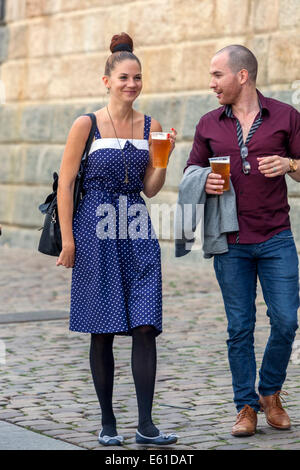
{"x": 52, "y": 56}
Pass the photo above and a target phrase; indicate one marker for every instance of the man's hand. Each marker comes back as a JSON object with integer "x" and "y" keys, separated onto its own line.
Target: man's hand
{"x": 273, "y": 165}
{"x": 214, "y": 184}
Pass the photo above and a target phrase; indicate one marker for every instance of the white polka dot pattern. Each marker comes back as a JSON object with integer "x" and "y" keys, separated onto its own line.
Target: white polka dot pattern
{"x": 116, "y": 283}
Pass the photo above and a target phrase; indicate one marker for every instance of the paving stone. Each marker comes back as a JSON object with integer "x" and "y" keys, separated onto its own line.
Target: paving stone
{"x": 46, "y": 382}
{"x": 234, "y": 447}
{"x": 57, "y": 432}
{"x": 10, "y": 414}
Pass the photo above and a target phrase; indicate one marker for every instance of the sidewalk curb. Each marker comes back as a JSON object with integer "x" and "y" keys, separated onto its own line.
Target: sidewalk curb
{"x": 13, "y": 437}
{"x": 33, "y": 316}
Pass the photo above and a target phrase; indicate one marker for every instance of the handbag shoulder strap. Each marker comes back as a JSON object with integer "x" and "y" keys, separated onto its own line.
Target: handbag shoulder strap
{"x": 90, "y": 138}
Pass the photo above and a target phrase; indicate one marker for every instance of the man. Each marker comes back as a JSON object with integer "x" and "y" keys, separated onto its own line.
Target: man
{"x": 262, "y": 137}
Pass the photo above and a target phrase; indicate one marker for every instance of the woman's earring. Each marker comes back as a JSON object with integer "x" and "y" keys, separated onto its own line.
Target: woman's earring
{"x": 108, "y": 91}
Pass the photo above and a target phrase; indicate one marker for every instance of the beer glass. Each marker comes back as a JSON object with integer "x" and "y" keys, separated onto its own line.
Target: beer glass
{"x": 161, "y": 146}
{"x": 221, "y": 166}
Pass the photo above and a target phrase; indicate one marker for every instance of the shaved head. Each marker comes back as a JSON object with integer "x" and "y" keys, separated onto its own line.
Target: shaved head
{"x": 241, "y": 58}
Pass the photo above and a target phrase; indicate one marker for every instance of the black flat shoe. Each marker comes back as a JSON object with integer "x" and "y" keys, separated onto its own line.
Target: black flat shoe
{"x": 160, "y": 440}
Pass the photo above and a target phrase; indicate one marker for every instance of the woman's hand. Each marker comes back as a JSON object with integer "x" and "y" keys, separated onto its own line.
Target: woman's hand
{"x": 273, "y": 165}
{"x": 172, "y": 138}
{"x": 67, "y": 256}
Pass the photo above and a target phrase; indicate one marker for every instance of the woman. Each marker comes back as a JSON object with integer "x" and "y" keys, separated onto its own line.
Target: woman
{"x": 116, "y": 279}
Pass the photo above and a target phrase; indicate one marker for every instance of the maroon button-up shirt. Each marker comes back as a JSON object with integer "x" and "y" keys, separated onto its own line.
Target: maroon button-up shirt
{"x": 262, "y": 204}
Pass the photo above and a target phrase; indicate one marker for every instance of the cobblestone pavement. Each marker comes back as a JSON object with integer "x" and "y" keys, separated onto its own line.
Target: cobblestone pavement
{"x": 46, "y": 384}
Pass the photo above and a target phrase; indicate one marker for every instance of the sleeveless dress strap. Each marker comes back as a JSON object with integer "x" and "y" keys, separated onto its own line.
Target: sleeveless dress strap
{"x": 97, "y": 133}
{"x": 147, "y": 126}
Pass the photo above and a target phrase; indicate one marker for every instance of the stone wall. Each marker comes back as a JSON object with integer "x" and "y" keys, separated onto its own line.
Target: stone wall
{"x": 52, "y": 55}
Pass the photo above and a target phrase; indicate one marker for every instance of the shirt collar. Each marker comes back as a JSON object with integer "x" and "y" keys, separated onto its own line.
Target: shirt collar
{"x": 263, "y": 104}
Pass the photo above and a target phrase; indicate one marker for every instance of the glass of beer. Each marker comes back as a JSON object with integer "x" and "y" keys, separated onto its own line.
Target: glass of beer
{"x": 221, "y": 166}
{"x": 161, "y": 146}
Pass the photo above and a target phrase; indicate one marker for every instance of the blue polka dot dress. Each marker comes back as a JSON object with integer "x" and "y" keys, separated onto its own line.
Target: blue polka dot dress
{"x": 116, "y": 278}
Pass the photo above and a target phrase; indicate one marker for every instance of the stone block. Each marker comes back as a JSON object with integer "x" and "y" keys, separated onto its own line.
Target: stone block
{"x": 168, "y": 110}
{"x": 33, "y": 8}
{"x": 38, "y": 34}
{"x": 192, "y": 20}
{"x": 259, "y": 45}
{"x": 65, "y": 35}
{"x": 9, "y": 123}
{"x": 64, "y": 116}
{"x": 154, "y": 15}
{"x": 196, "y": 106}
{"x": 25, "y": 211}
{"x": 230, "y": 39}
{"x": 264, "y": 15}
{"x": 15, "y": 10}
{"x": 76, "y": 76}
{"x": 154, "y": 80}
{"x": 12, "y": 163}
{"x": 14, "y": 78}
{"x": 232, "y": 17}
{"x": 7, "y": 203}
{"x": 20, "y": 237}
{"x": 18, "y": 45}
{"x": 295, "y": 219}
{"x": 109, "y": 21}
{"x": 58, "y": 77}
{"x": 41, "y": 73}
{"x": 186, "y": 67}
{"x": 41, "y": 162}
{"x": 289, "y": 14}
{"x": 293, "y": 187}
{"x": 284, "y": 57}
{"x": 19, "y": 205}
{"x": 177, "y": 164}
{"x": 179, "y": 111}
{"x": 85, "y": 4}
{"x": 51, "y": 6}
{"x": 4, "y": 41}
{"x": 286, "y": 96}
{"x": 36, "y": 123}
{"x": 194, "y": 65}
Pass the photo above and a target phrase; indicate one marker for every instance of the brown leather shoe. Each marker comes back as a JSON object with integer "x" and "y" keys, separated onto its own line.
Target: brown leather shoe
{"x": 276, "y": 416}
{"x": 246, "y": 422}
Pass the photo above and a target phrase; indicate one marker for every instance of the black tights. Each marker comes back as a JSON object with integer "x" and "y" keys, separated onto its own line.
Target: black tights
{"x": 143, "y": 362}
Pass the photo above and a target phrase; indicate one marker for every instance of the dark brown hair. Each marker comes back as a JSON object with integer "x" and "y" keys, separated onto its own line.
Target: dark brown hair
{"x": 121, "y": 47}
{"x": 240, "y": 57}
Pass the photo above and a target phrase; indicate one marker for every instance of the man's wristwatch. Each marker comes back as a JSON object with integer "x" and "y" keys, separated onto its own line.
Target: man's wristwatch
{"x": 293, "y": 165}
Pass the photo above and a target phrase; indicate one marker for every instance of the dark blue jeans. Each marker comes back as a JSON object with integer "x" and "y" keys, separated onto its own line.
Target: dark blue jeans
{"x": 275, "y": 262}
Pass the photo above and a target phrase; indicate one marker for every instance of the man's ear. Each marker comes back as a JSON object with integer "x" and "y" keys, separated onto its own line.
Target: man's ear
{"x": 243, "y": 76}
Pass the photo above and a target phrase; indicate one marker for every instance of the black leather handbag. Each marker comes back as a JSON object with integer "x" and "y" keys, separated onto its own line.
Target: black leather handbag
{"x": 50, "y": 241}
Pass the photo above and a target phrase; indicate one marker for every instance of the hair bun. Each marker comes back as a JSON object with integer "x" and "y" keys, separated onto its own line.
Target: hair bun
{"x": 121, "y": 42}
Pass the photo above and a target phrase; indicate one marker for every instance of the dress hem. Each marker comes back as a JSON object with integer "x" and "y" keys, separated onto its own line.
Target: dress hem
{"x": 121, "y": 333}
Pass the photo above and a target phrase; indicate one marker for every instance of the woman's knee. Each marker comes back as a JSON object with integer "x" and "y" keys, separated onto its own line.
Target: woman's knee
{"x": 102, "y": 339}
{"x": 144, "y": 328}
{"x": 144, "y": 331}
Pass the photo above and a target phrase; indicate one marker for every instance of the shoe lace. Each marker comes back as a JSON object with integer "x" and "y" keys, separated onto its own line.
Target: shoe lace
{"x": 243, "y": 413}
{"x": 278, "y": 396}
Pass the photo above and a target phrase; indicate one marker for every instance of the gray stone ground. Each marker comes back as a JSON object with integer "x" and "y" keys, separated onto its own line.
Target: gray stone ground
{"x": 46, "y": 384}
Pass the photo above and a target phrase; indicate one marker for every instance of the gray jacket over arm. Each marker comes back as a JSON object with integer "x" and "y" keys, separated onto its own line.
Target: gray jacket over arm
{"x": 220, "y": 214}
